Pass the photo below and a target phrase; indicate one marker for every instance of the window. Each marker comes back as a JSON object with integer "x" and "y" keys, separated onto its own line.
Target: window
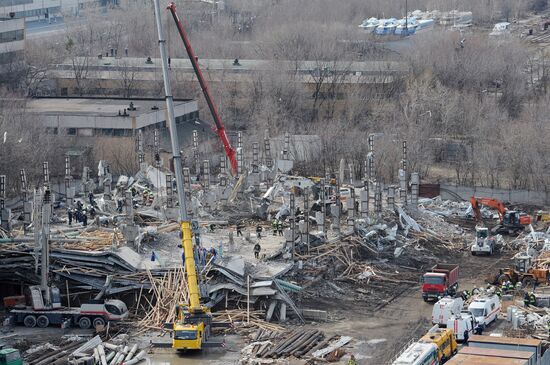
{"x": 492, "y": 306}
{"x": 52, "y": 130}
{"x": 434, "y": 280}
{"x": 113, "y": 309}
{"x": 185, "y": 335}
{"x": 71, "y": 131}
{"x": 477, "y": 312}
{"x": 64, "y": 91}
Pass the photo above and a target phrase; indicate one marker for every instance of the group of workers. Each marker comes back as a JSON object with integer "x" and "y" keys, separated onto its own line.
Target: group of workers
{"x": 80, "y": 214}
{"x": 277, "y": 226}
{"x": 148, "y": 197}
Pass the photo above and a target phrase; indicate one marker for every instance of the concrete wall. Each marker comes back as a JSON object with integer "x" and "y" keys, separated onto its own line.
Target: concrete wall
{"x": 453, "y": 192}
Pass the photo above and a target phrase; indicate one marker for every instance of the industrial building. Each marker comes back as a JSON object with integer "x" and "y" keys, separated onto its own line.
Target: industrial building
{"x": 12, "y": 40}
{"x": 92, "y": 118}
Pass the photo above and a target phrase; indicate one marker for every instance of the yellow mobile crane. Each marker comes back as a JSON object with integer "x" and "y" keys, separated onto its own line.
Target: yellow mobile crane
{"x": 194, "y": 321}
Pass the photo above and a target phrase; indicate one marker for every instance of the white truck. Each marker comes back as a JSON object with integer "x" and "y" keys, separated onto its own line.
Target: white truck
{"x": 462, "y": 323}
{"x": 96, "y": 312}
{"x": 484, "y": 243}
{"x": 444, "y": 308}
{"x": 485, "y": 310}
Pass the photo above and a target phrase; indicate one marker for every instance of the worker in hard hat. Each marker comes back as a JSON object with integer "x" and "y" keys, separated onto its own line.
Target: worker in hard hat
{"x": 352, "y": 360}
{"x": 274, "y": 224}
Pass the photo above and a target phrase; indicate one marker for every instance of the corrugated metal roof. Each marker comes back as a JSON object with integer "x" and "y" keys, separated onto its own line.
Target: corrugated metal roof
{"x": 511, "y": 354}
{"x": 505, "y": 340}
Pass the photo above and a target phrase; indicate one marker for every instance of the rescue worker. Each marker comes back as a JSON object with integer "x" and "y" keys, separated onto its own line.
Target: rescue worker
{"x": 498, "y": 291}
{"x": 466, "y": 337}
{"x": 280, "y": 227}
{"x": 352, "y": 360}
{"x": 91, "y": 198}
{"x": 133, "y": 190}
{"x": 84, "y": 219}
{"x": 70, "y": 216}
{"x": 92, "y": 212}
{"x": 259, "y": 230}
{"x": 274, "y": 225}
{"x": 519, "y": 286}
{"x": 526, "y": 299}
{"x": 212, "y": 226}
{"x": 257, "y": 249}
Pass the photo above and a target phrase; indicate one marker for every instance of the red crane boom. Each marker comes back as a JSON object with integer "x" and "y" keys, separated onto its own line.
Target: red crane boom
{"x": 219, "y": 128}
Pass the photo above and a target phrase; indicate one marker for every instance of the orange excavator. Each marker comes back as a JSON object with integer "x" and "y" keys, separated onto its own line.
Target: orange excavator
{"x": 511, "y": 221}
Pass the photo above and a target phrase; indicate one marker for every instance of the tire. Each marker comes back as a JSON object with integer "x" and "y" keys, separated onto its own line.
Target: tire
{"x": 98, "y": 321}
{"x": 43, "y": 321}
{"x": 84, "y": 323}
{"x": 30, "y": 321}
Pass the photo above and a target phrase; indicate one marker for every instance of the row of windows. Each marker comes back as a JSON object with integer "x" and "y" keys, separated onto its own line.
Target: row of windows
{"x": 37, "y": 12}
{"x": 88, "y": 132}
{"x": 14, "y": 2}
{"x": 12, "y": 36}
{"x": 9, "y": 57}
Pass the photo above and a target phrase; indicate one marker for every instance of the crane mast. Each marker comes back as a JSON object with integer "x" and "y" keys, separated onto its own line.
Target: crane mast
{"x": 193, "y": 323}
{"x": 220, "y": 128}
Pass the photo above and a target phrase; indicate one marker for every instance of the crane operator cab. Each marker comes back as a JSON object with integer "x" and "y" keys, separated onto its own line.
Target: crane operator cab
{"x": 514, "y": 218}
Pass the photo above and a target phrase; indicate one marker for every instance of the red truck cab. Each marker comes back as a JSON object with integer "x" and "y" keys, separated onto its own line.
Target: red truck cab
{"x": 440, "y": 281}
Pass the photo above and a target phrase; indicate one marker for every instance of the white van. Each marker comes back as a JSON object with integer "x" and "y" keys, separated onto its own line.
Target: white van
{"x": 461, "y": 323}
{"x": 445, "y": 308}
{"x": 485, "y": 309}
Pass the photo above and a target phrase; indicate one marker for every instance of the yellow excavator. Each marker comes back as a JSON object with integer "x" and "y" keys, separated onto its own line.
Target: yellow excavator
{"x": 191, "y": 330}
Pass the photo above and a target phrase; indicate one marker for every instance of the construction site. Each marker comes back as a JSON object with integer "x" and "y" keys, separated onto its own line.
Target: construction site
{"x": 136, "y": 229}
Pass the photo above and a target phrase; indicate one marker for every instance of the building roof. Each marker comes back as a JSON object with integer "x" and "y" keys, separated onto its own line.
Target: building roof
{"x": 506, "y": 340}
{"x": 366, "y": 67}
{"x": 509, "y": 354}
{"x": 462, "y": 359}
{"x": 95, "y": 106}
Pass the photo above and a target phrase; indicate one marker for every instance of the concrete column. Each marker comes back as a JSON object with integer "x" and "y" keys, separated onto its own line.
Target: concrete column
{"x": 46, "y": 173}
{"x": 140, "y": 149}
{"x": 27, "y": 204}
{"x": 351, "y": 209}
{"x": 223, "y": 171}
{"x": 286, "y": 146}
{"x": 69, "y": 191}
{"x": 364, "y": 195}
{"x": 320, "y": 217}
{"x": 156, "y": 149}
{"x": 336, "y": 211}
{"x": 206, "y": 174}
{"x": 404, "y": 159}
{"x": 403, "y": 187}
{"x": 187, "y": 186}
{"x": 85, "y": 179}
{"x": 371, "y": 157}
{"x": 196, "y": 152}
{"x": 267, "y": 152}
{"x": 391, "y": 198}
{"x": 240, "y": 161}
{"x": 5, "y": 214}
{"x": 292, "y": 218}
{"x": 239, "y": 140}
{"x": 169, "y": 191}
{"x": 378, "y": 198}
{"x": 255, "y": 157}
{"x": 415, "y": 186}
{"x": 306, "y": 217}
{"x": 129, "y": 203}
